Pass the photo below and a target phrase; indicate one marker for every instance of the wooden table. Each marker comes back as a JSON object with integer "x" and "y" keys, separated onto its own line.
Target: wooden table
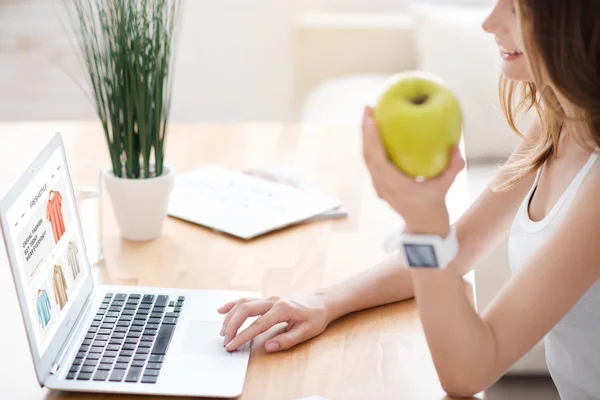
{"x": 376, "y": 354}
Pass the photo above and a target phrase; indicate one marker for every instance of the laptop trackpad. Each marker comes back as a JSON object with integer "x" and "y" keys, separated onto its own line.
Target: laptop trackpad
{"x": 203, "y": 337}
{"x": 201, "y": 363}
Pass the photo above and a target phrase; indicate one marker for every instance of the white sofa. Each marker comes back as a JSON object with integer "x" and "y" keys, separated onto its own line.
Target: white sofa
{"x": 342, "y": 62}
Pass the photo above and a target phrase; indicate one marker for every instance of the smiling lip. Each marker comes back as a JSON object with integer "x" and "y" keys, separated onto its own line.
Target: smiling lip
{"x": 509, "y": 55}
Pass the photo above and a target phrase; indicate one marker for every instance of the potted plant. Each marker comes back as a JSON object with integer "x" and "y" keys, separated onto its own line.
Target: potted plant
{"x": 126, "y": 47}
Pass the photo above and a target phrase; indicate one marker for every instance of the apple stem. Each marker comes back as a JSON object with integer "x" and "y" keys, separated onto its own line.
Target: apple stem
{"x": 420, "y": 100}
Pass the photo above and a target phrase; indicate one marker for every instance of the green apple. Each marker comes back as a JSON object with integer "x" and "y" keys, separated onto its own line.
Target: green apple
{"x": 420, "y": 120}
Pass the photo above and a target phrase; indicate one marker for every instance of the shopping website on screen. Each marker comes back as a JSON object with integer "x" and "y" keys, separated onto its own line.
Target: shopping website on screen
{"x": 48, "y": 247}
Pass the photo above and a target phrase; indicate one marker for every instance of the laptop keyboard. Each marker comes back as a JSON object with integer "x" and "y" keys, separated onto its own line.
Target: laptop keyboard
{"x": 128, "y": 339}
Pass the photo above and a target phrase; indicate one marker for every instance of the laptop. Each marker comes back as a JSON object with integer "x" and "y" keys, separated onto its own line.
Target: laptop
{"x": 111, "y": 339}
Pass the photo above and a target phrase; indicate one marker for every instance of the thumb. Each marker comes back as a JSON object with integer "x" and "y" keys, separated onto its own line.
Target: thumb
{"x": 457, "y": 162}
{"x": 455, "y": 165}
{"x": 287, "y": 340}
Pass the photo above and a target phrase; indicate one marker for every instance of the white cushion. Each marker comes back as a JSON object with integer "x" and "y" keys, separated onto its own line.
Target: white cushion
{"x": 342, "y": 100}
{"x": 452, "y": 45}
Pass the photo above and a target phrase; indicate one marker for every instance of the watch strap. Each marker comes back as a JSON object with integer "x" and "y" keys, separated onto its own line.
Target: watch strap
{"x": 445, "y": 249}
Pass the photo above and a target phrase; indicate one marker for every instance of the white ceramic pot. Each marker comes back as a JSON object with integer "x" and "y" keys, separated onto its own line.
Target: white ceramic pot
{"x": 140, "y": 205}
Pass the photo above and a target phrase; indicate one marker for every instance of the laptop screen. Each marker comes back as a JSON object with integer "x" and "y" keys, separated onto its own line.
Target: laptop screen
{"x": 50, "y": 261}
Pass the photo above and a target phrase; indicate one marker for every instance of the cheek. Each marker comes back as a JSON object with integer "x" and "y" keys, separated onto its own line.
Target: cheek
{"x": 519, "y": 42}
{"x": 516, "y": 30}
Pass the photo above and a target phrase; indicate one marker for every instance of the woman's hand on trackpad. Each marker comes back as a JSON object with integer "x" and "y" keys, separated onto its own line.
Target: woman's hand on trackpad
{"x": 306, "y": 318}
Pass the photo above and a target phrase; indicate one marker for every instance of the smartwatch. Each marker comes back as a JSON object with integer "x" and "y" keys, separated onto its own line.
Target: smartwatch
{"x": 427, "y": 251}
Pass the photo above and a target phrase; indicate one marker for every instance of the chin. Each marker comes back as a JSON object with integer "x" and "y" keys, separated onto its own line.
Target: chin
{"x": 516, "y": 71}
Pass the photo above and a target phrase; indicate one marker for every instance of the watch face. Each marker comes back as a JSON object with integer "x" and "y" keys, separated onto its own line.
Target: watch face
{"x": 421, "y": 255}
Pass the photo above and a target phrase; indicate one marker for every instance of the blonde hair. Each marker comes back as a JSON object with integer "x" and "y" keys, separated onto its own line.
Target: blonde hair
{"x": 564, "y": 34}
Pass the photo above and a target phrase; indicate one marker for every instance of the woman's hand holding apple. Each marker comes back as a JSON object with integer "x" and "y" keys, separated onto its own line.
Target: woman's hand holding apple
{"x": 421, "y": 204}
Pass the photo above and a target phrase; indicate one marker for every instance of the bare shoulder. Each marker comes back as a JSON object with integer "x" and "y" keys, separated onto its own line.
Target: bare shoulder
{"x": 534, "y": 130}
{"x": 531, "y": 135}
{"x": 588, "y": 192}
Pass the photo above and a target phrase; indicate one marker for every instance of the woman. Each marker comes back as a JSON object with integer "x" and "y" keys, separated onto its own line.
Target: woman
{"x": 546, "y": 199}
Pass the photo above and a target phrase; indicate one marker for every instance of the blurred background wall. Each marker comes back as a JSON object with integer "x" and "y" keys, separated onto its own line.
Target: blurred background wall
{"x": 234, "y": 59}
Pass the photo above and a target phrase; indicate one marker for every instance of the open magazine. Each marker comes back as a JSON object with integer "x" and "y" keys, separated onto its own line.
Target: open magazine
{"x": 247, "y": 204}
{"x": 288, "y": 176}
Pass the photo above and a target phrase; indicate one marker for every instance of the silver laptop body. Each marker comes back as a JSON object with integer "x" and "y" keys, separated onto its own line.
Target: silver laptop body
{"x": 111, "y": 339}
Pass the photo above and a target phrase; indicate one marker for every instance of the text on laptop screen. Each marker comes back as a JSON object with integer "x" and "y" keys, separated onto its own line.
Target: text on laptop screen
{"x": 46, "y": 239}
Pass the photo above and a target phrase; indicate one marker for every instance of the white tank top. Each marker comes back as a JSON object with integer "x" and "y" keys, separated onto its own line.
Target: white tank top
{"x": 573, "y": 345}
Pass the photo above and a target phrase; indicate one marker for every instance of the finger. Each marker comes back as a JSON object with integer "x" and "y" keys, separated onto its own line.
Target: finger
{"x": 376, "y": 155}
{"x": 298, "y": 334}
{"x": 455, "y": 165}
{"x": 365, "y": 127}
{"x": 370, "y": 133}
{"x": 244, "y": 312}
{"x": 457, "y": 162}
{"x": 225, "y": 308}
{"x": 232, "y": 311}
{"x": 263, "y": 324}
{"x": 387, "y": 178}
{"x": 367, "y": 113}
{"x": 373, "y": 148}
{"x": 379, "y": 188}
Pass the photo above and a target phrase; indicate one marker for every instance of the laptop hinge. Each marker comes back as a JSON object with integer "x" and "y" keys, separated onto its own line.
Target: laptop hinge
{"x": 71, "y": 337}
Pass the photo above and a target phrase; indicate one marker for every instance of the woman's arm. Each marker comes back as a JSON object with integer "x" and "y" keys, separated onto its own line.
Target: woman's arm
{"x": 388, "y": 282}
{"x": 471, "y": 352}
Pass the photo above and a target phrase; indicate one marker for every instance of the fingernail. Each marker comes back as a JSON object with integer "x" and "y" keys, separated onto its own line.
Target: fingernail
{"x": 228, "y": 346}
{"x": 227, "y": 340}
{"x": 222, "y": 330}
{"x": 272, "y": 346}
